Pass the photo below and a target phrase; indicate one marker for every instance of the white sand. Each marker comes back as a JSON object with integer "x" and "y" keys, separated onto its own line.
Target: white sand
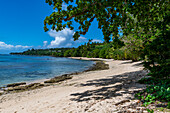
{"x": 94, "y": 91}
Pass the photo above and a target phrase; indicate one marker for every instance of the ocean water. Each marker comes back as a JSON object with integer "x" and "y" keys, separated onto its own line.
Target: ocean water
{"x": 17, "y": 68}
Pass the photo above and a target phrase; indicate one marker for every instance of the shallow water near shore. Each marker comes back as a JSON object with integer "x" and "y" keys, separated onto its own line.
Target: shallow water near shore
{"x": 17, "y": 68}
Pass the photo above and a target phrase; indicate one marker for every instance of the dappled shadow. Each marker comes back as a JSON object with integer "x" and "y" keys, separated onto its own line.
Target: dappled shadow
{"x": 112, "y": 86}
{"x": 125, "y": 78}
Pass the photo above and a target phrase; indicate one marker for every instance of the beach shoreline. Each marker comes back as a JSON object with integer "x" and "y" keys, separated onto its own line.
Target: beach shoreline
{"x": 15, "y": 87}
{"x": 28, "y": 70}
{"x": 93, "y": 91}
{"x": 42, "y": 80}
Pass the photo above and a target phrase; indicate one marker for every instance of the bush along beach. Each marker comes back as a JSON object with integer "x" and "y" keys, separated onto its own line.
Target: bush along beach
{"x": 157, "y": 92}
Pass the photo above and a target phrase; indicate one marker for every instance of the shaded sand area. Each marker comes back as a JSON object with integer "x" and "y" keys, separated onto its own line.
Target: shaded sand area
{"x": 103, "y": 91}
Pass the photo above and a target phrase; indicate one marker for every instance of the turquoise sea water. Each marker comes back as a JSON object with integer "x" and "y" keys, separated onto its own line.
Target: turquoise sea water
{"x": 17, "y": 68}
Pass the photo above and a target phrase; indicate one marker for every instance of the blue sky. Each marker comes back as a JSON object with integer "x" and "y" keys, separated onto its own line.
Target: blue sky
{"x": 21, "y": 27}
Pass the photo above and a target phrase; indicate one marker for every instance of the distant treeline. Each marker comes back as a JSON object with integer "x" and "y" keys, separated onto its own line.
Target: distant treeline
{"x": 91, "y": 50}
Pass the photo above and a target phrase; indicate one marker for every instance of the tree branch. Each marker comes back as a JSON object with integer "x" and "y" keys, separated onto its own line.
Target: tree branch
{"x": 88, "y": 25}
{"x": 81, "y": 13}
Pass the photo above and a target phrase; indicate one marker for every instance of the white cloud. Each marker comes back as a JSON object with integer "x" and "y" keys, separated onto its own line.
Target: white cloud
{"x": 45, "y": 43}
{"x": 57, "y": 41}
{"x": 6, "y": 48}
{"x": 96, "y": 40}
{"x": 3, "y": 45}
{"x": 64, "y": 38}
{"x": 64, "y": 6}
{"x": 23, "y": 47}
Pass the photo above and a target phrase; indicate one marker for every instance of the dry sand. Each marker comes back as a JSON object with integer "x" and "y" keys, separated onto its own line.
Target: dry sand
{"x": 104, "y": 91}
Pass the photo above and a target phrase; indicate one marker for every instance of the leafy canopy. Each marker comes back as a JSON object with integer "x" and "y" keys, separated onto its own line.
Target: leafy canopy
{"x": 110, "y": 15}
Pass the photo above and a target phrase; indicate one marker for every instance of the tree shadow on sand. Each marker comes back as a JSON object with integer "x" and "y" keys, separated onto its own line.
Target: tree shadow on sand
{"x": 110, "y": 87}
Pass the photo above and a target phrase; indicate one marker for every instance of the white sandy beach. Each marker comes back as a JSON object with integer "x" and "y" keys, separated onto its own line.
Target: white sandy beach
{"x": 104, "y": 91}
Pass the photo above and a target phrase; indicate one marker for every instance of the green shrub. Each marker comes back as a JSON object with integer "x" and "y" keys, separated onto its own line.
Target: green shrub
{"x": 158, "y": 89}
